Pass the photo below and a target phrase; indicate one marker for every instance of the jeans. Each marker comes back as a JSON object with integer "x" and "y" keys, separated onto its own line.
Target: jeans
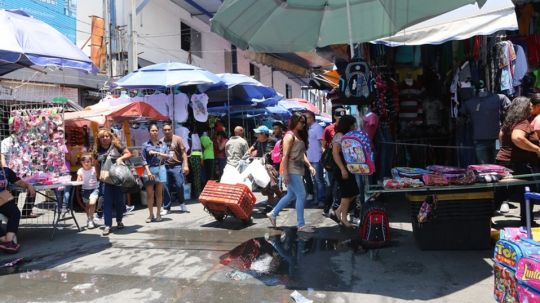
{"x": 320, "y": 186}
{"x": 112, "y": 194}
{"x": 384, "y": 154}
{"x": 175, "y": 182}
{"x": 332, "y": 201}
{"x": 208, "y": 170}
{"x": 62, "y": 196}
{"x": 485, "y": 151}
{"x": 221, "y": 165}
{"x": 294, "y": 188}
{"x": 11, "y": 211}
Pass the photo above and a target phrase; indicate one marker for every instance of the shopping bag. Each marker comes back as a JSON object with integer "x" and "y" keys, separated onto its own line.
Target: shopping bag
{"x": 259, "y": 173}
{"x": 230, "y": 175}
{"x": 122, "y": 175}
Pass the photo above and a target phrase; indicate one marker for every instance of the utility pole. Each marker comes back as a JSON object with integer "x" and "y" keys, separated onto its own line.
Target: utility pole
{"x": 108, "y": 35}
{"x": 133, "y": 63}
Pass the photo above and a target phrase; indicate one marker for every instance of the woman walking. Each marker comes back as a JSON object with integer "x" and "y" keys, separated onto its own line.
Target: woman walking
{"x": 292, "y": 171}
{"x": 154, "y": 152}
{"x": 107, "y": 145}
{"x": 347, "y": 186}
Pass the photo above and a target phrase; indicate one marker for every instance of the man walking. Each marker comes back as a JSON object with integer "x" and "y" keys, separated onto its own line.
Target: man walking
{"x": 314, "y": 153}
{"x": 236, "y": 147}
{"x": 177, "y": 168}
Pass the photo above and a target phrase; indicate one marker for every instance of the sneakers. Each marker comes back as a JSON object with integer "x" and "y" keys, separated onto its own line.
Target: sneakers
{"x": 10, "y": 247}
{"x": 90, "y": 224}
{"x": 106, "y": 230}
{"x": 309, "y": 197}
{"x": 505, "y": 208}
{"x": 165, "y": 212}
{"x": 183, "y": 208}
{"x": 129, "y": 208}
{"x": 306, "y": 229}
{"x": 119, "y": 225}
{"x": 272, "y": 219}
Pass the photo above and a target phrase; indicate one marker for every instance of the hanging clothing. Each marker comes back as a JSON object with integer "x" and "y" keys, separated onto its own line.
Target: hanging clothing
{"x": 521, "y": 66}
{"x": 180, "y": 103}
{"x": 160, "y": 102}
{"x": 199, "y": 103}
{"x": 184, "y": 134}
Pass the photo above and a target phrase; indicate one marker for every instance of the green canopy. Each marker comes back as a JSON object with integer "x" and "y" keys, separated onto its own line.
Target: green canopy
{"x": 279, "y": 26}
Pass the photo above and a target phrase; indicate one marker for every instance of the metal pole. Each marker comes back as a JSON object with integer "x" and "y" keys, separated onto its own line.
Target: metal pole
{"x": 229, "y": 112}
{"x": 349, "y": 25}
{"x": 132, "y": 58}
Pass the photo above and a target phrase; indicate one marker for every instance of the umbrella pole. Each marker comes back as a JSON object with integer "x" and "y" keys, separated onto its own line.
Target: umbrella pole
{"x": 349, "y": 25}
{"x": 229, "y": 112}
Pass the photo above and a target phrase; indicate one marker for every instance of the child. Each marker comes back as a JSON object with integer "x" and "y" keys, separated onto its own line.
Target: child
{"x": 90, "y": 192}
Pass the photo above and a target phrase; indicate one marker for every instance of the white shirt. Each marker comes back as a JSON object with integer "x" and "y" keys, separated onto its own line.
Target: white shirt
{"x": 180, "y": 102}
{"x": 184, "y": 134}
{"x": 196, "y": 142}
{"x": 8, "y": 146}
{"x": 315, "y": 135}
{"x": 89, "y": 178}
{"x": 199, "y": 103}
{"x": 161, "y": 102}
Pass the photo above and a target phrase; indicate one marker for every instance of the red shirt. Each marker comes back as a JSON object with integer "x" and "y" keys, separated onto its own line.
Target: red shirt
{"x": 329, "y": 133}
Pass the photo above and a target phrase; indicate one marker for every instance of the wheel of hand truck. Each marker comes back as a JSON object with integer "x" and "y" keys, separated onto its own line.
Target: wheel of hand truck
{"x": 219, "y": 217}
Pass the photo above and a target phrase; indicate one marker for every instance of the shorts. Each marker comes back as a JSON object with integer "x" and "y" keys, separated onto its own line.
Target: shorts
{"x": 159, "y": 172}
{"x": 88, "y": 194}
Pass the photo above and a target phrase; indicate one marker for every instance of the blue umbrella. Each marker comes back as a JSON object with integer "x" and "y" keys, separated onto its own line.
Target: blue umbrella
{"x": 26, "y": 42}
{"x": 164, "y": 75}
{"x": 243, "y": 90}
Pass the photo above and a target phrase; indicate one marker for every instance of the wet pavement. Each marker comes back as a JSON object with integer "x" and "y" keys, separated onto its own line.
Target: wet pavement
{"x": 191, "y": 258}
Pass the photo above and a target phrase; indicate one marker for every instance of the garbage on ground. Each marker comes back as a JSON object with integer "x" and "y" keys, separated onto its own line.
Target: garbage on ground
{"x": 299, "y": 298}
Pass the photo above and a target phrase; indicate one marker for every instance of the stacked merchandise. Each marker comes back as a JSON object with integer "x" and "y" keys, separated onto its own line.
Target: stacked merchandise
{"x": 516, "y": 267}
{"x": 438, "y": 175}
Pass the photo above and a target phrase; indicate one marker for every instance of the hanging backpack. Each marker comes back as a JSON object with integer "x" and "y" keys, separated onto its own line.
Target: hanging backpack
{"x": 356, "y": 150}
{"x": 375, "y": 226}
{"x": 355, "y": 81}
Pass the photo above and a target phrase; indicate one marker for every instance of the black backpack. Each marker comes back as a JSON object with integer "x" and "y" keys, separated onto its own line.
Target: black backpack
{"x": 375, "y": 226}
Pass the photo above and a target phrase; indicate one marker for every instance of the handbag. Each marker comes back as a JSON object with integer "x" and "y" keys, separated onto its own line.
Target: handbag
{"x": 5, "y": 195}
{"x": 327, "y": 159}
{"x": 122, "y": 175}
{"x": 104, "y": 175}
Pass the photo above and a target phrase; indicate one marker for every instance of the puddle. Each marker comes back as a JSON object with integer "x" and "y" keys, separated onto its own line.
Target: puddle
{"x": 286, "y": 258}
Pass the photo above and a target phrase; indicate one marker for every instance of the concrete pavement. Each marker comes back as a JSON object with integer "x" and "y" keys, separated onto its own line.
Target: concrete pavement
{"x": 189, "y": 257}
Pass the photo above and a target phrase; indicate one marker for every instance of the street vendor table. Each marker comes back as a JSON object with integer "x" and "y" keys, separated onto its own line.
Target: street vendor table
{"x": 57, "y": 215}
{"x": 462, "y": 217}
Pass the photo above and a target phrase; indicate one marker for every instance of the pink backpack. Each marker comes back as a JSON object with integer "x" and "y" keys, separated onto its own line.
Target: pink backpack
{"x": 357, "y": 153}
{"x": 277, "y": 152}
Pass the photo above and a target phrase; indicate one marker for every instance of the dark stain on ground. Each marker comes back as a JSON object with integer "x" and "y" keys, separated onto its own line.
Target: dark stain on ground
{"x": 287, "y": 257}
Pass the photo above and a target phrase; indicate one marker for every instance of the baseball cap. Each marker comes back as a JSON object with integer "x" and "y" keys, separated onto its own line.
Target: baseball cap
{"x": 262, "y": 129}
{"x": 338, "y": 112}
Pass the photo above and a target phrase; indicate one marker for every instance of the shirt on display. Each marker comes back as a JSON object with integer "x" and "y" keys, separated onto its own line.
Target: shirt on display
{"x": 196, "y": 142}
{"x": 160, "y": 102}
{"x": 432, "y": 111}
{"x": 199, "y": 103}
{"x": 180, "y": 102}
{"x": 184, "y": 134}
{"x": 484, "y": 116}
{"x": 139, "y": 134}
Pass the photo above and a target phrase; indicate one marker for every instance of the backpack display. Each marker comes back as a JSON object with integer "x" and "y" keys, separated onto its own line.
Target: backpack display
{"x": 357, "y": 153}
{"x": 355, "y": 81}
{"x": 374, "y": 227}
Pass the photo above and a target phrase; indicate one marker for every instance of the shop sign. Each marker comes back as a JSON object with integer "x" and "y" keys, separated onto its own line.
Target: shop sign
{"x": 528, "y": 271}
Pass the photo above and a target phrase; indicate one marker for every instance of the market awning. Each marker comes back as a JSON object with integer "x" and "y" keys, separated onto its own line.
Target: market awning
{"x": 101, "y": 115}
{"x": 462, "y": 23}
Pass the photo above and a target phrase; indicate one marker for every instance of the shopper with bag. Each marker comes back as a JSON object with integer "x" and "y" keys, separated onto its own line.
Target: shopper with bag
{"x": 292, "y": 170}
{"x": 8, "y": 208}
{"x": 154, "y": 153}
{"x": 109, "y": 152}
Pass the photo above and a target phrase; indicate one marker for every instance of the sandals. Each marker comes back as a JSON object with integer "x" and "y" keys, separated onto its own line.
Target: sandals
{"x": 158, "y": 219}
{"x": 149, "y": 219}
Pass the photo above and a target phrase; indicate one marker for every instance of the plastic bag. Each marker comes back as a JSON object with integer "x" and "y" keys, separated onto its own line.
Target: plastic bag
{"x": 122, "y": 175}
{"x": 230, "y": 175}
{"x": 259, "y": 173}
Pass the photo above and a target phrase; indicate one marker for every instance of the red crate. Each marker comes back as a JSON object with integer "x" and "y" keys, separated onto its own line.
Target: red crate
{"x": 228, "y": 199}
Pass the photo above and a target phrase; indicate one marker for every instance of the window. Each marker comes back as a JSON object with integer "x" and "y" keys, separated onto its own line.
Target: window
{"x": 254, "y": 72}
{"x": 190, "y": 40}
{"x": 288, "y": 91}
{"x": 228, "y": 62}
